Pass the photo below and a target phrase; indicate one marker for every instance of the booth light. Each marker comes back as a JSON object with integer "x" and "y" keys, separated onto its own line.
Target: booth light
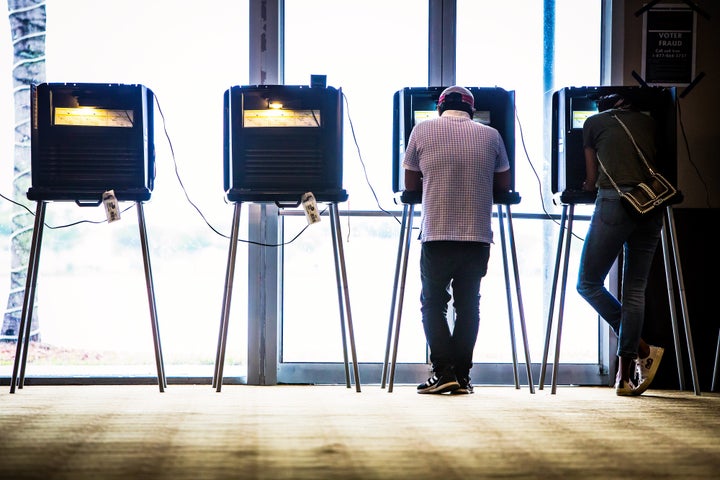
{"x": 275, "y": 105}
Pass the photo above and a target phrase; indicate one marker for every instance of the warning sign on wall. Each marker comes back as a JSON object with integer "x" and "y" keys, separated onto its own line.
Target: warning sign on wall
{"x": 669, "y": 45}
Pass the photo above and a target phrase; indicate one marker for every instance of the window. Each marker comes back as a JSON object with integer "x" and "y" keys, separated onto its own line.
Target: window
{"x": 491, "y": 54}
{"x": 92, "y": 296}
{"x": 352, "y": 47}
{"x": 91, "y": 290}
{"x": 484, "y": 45}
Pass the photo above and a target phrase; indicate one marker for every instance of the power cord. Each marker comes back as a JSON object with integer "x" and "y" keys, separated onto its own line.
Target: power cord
{"x": 187, "y": 196}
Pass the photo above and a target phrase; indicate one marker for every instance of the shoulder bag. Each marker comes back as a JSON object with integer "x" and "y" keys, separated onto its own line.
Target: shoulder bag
{"x": 647, "y": 196}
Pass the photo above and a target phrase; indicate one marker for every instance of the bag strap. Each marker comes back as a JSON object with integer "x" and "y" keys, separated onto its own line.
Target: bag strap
{"x": 632, "y": 139}
{"x": 640, "y": 153}
{"x": 608, "y": 175}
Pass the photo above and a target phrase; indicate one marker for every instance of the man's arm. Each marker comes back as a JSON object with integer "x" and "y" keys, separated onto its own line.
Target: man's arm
{"x": 501, "y": 182}
{"x": 413, "y": 181}
{"x": 591, "y": 170}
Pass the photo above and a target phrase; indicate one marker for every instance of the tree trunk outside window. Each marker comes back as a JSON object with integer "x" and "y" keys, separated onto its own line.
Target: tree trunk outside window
{"x": 27, "y": 26}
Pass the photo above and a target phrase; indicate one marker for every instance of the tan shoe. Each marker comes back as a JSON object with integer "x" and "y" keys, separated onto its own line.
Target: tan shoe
{"x": 624, "y": 388}
{"x": 646, "y": 368}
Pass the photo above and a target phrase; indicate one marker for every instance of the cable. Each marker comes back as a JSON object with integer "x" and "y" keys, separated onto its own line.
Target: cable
{"x": 540, "y": 189}
{"x": 58, "y": 226}
{"x": 182, "y": 186}
{"x": 362, "y": 162}
{"x": 687, "y": 149}
{"x": 187, "y": 196}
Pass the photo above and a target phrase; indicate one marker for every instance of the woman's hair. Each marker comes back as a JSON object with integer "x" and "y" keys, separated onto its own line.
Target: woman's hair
{"x": 613, "y": 100}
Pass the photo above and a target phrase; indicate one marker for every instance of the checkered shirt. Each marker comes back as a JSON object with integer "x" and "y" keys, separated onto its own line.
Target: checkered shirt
{"x": 457, "y": 158}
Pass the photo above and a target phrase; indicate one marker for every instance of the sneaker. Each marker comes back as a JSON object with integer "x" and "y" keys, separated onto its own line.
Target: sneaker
{"x": 646, "y": 368}
{"x": 466, "y": 387}
{"x": 624, "y": 389}
{"x": 444, "y": 382}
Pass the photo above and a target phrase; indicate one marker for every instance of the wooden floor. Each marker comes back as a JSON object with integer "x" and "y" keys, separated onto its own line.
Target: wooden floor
{"x": 318, "y": 432}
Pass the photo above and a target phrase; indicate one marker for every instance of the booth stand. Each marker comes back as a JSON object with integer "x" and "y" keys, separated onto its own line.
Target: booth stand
{"x": 24, "y": 333}
{"x": 90, "y": 143}
{"x": 671, "y": 261}
{"x": 346, "y": 323}
{"x": 409, "y": 200}
{"x": 283, "y": 142}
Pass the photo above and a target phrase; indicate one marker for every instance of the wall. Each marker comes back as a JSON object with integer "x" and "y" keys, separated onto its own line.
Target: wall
{"x": 698, "y": 172}
{"x": 699, "y": 180}
{"x": 698, "y": 255}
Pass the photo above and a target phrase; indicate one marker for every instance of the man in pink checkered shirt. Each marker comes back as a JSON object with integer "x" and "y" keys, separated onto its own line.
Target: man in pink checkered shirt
{"x": 458, "y": 164}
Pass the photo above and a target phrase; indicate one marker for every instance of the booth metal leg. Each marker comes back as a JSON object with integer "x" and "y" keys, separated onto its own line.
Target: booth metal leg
{"x": 511, "y": 241}
{"x": 508, "y": 295}
{"x": 563, "y": 285}
{"x": 24, "y": 332}
{"x": 162, "y": 381}
{"x": 716, "y": 368}
{"x": 551, "y": 310}
{"x": 669, "y": 246}
{"x": 343, "y": 294}
{"x": 561, "y": 309}
{"x": 405, "y": 239}
{"x": 670, "y": 256}
{"x": 399, "y": 293}
{"x": 25, "y": 328}
{"x": 393, "y": 301}
{"x": 227, "y": 296}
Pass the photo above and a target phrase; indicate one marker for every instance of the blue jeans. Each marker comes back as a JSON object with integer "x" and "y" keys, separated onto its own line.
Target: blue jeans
{"x": 612, "y": 231}
{"x": 460, "y": 266}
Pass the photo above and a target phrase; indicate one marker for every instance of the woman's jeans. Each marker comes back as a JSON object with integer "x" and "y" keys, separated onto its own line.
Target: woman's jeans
{"x": 460, "y": 266}
{"x": 612, "y": 231}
